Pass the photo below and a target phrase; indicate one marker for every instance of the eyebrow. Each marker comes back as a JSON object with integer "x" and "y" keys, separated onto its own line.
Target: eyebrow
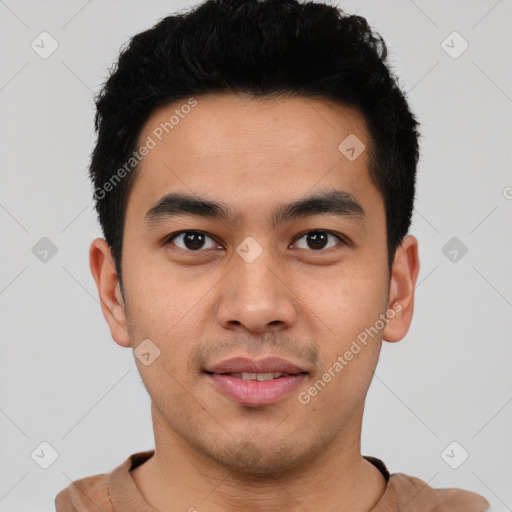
{"x": 332, "y": 202}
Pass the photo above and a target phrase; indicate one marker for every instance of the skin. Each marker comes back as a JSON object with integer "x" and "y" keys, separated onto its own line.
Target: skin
{"x": 294, "y": 301}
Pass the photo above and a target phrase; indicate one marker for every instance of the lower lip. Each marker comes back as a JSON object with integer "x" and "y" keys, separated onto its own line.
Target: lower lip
{"x": 253, "y": 392}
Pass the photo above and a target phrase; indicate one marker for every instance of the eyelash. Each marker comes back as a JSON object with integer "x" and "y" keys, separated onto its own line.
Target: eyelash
{"x": 339, "y": 237}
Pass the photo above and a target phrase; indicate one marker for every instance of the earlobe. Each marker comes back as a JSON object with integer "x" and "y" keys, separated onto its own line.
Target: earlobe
{"x": 404, "y": 275}
{"x": 107, "y": 281}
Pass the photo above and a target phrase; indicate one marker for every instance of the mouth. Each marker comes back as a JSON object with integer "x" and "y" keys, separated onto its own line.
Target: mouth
{"x": 260, "y": 377}
{"x": 255, "y": 383}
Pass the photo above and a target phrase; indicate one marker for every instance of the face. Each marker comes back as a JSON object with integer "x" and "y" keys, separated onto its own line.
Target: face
{"x": 262, "y": 270}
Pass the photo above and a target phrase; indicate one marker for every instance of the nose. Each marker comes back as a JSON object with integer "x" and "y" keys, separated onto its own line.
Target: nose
{"x": 257, "y": 296}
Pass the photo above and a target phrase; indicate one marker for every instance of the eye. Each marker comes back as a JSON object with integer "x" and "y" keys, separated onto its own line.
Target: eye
{"x": 192, "y": 240}
{"x": 195, "y": 241}
{"x": 317, "y": 240}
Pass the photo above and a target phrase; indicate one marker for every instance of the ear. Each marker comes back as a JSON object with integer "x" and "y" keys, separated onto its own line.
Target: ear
{"x": 107, "y": 281}
{"x": 404, "y": 274}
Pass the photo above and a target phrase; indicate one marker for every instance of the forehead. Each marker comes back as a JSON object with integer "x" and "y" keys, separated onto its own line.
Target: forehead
{"x": 248, "y": 151}
{"x": 239, "y": 122}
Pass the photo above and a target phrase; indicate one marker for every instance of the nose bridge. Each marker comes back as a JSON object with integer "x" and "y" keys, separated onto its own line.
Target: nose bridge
{"x": 254, "y": 278}
{"x": 254, "y": 292}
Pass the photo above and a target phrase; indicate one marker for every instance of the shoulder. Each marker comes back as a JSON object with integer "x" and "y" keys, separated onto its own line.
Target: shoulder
{"x": 97, "y": 492}
{"x": 416, "y": 493}
{"x": 89, "y": 493}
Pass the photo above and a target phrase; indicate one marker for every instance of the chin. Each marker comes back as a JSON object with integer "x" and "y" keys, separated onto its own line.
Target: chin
{"x": 248, "y": 457}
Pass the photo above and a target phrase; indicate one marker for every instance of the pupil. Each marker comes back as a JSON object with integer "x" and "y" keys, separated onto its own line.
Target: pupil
{"x": 191, "y": 243}
{"x": 318, "y": 239}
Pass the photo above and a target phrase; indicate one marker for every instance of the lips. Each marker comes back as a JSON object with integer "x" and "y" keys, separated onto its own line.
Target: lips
{"x": 266, "y": 365}
{"x": 255, "y": 383}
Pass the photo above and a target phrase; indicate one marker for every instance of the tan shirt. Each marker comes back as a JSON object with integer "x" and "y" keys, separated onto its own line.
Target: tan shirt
{"x": 117, "y": 492}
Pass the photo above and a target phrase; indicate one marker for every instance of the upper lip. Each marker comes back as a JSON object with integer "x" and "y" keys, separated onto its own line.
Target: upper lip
{"x": 246, "y": 365}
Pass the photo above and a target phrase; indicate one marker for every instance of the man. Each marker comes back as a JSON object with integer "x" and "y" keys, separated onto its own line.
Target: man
{"x": 254, "y": 176}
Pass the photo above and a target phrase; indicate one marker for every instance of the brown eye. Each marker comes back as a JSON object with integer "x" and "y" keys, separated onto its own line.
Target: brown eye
{"x": 192, "y": 240}
{"x": 318, "y": 240}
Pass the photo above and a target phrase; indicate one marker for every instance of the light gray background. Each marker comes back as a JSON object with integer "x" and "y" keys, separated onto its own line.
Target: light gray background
{"x": 65, "y": 381}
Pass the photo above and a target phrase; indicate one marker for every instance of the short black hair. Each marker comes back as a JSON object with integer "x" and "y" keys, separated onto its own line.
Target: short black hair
{"x": 264, "y": 48}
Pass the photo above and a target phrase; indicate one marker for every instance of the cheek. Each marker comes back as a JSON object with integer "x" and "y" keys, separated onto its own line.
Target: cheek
{"x": 161, "y": 300}
{"x": 340, "y": 390}
{"x": 349, "y": 362}
{"x": 346, "y": 300}
{"x": 347, "y": 314}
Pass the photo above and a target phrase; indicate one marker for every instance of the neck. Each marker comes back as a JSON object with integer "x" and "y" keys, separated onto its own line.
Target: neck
{"x": 339, "y": 479}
